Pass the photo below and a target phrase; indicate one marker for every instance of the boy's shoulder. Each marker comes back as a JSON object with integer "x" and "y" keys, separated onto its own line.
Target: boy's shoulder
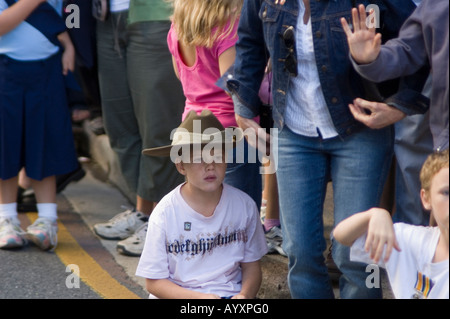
{"x": 417, "y": 239}
{"x": 236, "y": 194}
{"x": 168, "y": 202}
{"x": 173, "y": 195}
{"x": 414, "y": 232}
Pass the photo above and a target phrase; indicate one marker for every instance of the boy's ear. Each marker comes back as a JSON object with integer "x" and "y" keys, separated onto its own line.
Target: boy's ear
{"x": 180, "y": 168}
{"x": 424, "y": 196}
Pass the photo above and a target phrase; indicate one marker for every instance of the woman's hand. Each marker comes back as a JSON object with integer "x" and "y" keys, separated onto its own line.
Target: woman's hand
{"x": 256, "y": 136}
{"x": 364, "y": 43}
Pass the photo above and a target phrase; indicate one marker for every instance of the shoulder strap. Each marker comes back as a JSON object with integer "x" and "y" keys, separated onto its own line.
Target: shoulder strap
{"x": 45, "y": 19}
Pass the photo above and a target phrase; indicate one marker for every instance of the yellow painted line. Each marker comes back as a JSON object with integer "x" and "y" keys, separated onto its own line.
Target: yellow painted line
{"x": 70, "y": 252}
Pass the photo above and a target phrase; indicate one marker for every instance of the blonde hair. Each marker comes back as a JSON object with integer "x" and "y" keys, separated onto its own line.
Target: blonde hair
{"x": 434, "y": 163}
{"x": 195, "y": 20}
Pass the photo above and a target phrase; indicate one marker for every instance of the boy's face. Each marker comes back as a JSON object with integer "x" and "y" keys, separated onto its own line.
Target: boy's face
{"x": 204, "y": 171}
{"x": 436, "y": 199}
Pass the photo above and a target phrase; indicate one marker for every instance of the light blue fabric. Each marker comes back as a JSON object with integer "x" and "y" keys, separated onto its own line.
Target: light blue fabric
{"x": 25, "y": 43}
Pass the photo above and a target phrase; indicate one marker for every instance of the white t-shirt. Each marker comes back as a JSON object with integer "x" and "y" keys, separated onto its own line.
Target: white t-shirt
{"x": 203, "y": 253}
{"x": 25, "y": 43}
{"x": 418, "y": 246}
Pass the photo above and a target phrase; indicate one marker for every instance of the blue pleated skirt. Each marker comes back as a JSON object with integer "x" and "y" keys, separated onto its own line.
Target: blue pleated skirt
{"x": 35, "y": 125}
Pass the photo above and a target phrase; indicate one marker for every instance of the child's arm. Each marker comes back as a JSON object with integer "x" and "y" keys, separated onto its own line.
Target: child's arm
{"x": 251, "y": 280}
{"x": 377, "y": 223}
{"x": 165, "y": 289}
{"x": 16, "y": 14}
{"x": 68, "y": 58}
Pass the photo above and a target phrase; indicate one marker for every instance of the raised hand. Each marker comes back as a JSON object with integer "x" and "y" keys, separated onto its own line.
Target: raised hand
{"x": 364, "y": 43}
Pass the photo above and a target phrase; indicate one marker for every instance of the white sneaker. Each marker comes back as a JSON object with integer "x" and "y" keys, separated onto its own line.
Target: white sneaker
{"x": 121, "y": 226}
{"x": 274, "y": 239}
{"x": 11, "y": 235}
{"x": 44, "y": 233}
{"x": 134, "y": 245}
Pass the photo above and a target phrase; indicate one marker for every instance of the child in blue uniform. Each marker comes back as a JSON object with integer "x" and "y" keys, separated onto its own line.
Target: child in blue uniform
{"x": 35, "y": 127}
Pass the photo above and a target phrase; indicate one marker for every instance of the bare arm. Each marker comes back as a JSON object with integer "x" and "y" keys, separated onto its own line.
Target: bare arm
{"x": 377, "y": 223}
{"x": 16, "y": 14}
{"x": 165, "y": 289}
{"x": 251, "y": 280}
{"x": 68, "y": 58}
{"x": 226, "y": 60}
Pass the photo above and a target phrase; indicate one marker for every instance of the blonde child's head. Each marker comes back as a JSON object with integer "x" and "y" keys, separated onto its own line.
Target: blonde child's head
{"x": 435, "y": 186}
{"x": 434, "y": 163}
{"x": 195, "y": 20}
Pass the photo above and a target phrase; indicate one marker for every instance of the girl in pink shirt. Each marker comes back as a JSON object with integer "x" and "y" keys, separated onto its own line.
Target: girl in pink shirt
{"x": 202, "y": 51}
{"x": 202, "y": 42}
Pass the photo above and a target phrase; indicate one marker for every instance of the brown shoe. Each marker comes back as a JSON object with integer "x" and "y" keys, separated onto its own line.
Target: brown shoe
{"x": 333, "y": 270}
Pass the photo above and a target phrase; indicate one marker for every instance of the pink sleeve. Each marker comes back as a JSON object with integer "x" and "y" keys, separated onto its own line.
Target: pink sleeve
{"x": 171, "y": 38}
{"x": 224, "y": 44}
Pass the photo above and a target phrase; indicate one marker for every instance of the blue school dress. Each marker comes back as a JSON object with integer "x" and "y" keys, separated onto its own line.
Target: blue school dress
{"x": 35, "y": 126}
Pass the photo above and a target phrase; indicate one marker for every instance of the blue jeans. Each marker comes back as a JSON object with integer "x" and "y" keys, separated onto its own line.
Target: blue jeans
{"x": 358, "y": 167}
{"x": 245, "y": 176}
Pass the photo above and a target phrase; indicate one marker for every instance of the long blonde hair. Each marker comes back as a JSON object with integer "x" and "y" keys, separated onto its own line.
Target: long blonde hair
{"x": 195, "y": 20}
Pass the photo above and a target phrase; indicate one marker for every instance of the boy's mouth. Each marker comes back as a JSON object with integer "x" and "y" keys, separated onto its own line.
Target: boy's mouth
{"x": 210, "y": 178}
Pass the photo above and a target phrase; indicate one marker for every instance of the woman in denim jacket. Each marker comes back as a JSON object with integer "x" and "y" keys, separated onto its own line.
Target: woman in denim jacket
{"x": 319, "y": 140}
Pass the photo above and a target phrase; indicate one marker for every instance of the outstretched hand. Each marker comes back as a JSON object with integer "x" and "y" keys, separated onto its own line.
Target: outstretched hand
{"x": 364, "y": 43}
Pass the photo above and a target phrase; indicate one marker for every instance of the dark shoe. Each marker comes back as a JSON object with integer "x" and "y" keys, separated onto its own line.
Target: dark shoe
{"x": 333, "y": 270}
{"x": 26, "y": 201}
{"x": 63, "y": 180}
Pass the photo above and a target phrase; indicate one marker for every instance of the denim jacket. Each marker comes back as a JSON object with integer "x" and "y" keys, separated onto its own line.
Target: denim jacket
{"x": 260, "y": 32}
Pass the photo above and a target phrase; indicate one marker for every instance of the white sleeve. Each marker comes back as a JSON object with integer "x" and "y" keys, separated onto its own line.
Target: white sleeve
{"x": 256, "y": 246}
{"x": 358, "y": 253}
{"x": 154, "y": 262}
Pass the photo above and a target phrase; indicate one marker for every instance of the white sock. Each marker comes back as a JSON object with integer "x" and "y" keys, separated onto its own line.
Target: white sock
{"x": 9, "y": 211}
{"x": 47, "y": 210}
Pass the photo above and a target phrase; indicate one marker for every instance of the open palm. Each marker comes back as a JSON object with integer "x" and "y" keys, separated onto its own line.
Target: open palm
{"x": 364, "y": 43}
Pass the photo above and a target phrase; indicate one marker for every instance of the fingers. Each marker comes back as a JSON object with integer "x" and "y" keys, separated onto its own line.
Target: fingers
{"x": 377, "y": 42}
{"x": 359, "y": 17}
{"x": 355, "y": 17}
{"x": 346, "y": 27}
{"x": 364, "y": 112}
{"x": 391, "y": 244}
{"x": 359, "y": 114}
{"x": 362, "y": 17}
{"x": 376, "y": 244}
